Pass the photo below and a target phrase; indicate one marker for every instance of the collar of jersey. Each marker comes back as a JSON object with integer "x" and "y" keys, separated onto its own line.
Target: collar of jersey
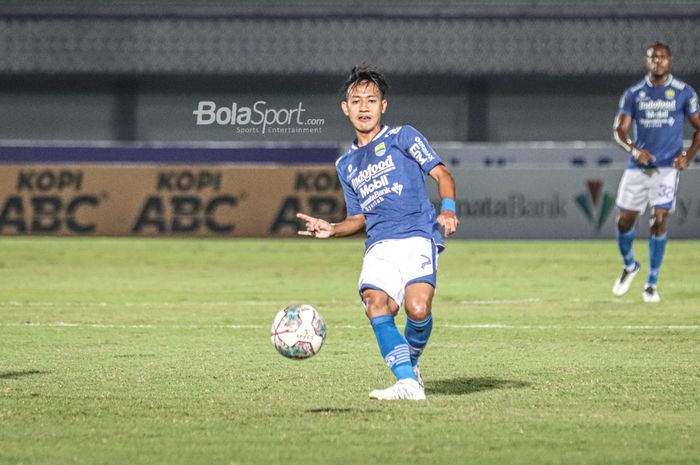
{"x": 374, "y": 139}
{"x": 650, "y": 84}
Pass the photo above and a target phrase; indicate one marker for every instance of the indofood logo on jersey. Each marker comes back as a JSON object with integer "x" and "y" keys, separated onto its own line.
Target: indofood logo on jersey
{"x": 595, "y": 204}
{"x": 373, "y": 170}
{"x": 656, "y": 105}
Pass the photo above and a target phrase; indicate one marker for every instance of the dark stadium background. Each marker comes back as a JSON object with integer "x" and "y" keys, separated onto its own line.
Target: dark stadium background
{"x": 502, "y": 84}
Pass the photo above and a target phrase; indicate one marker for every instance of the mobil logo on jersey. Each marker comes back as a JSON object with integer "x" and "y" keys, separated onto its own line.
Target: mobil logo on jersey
{"x": 595, "y": 204}
{"x": 372, "y": 171}
{"x": 370, "y": 187}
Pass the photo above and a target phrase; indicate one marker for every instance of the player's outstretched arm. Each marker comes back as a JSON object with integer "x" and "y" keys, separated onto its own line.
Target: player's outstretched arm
{"x": 322, "y": 229}
{"x": 621, "y": 128}
{"x": 446, "y": 186}
{"x": 683, "y": 160}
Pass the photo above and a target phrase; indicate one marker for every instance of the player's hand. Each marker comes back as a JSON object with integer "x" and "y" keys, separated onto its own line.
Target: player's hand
{"x": 316, "y": 227}
{"x": 681, "y": 162}
{"x": 448, "y": 221}
{"x": 645, "y": 157}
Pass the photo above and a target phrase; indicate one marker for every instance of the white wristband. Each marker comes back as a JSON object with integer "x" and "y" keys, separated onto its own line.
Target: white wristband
{"x": 635, "y": 153}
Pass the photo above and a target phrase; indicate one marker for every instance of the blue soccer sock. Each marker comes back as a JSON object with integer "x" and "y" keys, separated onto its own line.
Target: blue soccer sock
{"x": 624, "y": 243}
{"x": 657, "y": 247}
{"x": 393, "y": 346}
{"x": 417, "y": 334}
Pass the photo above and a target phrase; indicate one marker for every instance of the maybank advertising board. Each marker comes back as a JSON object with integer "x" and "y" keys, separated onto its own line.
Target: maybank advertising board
{"x": 165, "y": 200}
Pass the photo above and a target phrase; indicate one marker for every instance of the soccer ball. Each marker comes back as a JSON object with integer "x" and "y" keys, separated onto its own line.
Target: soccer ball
{"x": 298, "y": 331}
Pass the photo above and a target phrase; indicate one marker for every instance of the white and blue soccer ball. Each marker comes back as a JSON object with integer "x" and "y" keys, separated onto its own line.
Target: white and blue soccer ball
{"x": 298, "y": 331}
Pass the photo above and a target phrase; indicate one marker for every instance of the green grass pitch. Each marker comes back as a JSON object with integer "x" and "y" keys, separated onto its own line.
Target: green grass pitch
{"x": 150, "y": 351}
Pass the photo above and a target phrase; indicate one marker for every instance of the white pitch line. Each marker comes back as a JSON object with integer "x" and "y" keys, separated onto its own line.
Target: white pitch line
{"x": 536, "y": 300}
{"x": 546, "y": 327}
{"x": 61, "y": 324}
{"x": 124, "y": 326}
{"x": 644, "y": 327}
{"x": 348, "y": 326}
{"x": 14, "y": 303}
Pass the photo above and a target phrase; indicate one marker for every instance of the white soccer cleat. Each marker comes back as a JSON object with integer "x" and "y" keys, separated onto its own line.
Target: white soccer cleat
{"x": 403, "y": 389}
{"x": 623, "y": 283}
{"x": 419, "y": 378}
{"x": 650, "y": 294}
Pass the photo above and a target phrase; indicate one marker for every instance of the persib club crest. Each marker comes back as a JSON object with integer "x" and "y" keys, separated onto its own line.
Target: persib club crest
{"x": 380, "y": 149}
{"x": 595, "y": 204}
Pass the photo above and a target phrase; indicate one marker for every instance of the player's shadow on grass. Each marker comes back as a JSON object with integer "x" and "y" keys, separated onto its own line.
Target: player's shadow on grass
{"x": 20, "y": 374}
{"x": 462, "y": 386}
{"x": 329, "y": 410}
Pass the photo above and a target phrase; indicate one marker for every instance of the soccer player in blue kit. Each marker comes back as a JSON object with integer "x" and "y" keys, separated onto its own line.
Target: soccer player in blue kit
{"x": 383, "y": 179}
{"x": 656, "y": 107}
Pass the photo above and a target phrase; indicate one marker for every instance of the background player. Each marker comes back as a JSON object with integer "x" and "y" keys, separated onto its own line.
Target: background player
{"x": 383, "y": 178}
{"x": 656, "y": 107}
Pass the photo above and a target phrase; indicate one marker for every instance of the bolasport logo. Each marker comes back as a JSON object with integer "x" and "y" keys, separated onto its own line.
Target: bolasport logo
{"x": 258, "y": 118}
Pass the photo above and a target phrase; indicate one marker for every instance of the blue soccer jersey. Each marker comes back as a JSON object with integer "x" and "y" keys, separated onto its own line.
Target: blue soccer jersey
{"x": 658, "y": 114}
{"x": 385, "y": 181}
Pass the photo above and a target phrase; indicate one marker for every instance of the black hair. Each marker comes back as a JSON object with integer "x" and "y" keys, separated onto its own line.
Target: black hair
{"x": 660, "y": 44}
{"x": 364, "y": 73}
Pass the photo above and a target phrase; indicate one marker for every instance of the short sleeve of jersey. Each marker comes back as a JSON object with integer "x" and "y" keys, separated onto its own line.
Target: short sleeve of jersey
{"x": 415, "y": 146}
{"x": 352, "y": 204}
{"x": 691, "y": 104}
{"x": 627, "y": 103}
